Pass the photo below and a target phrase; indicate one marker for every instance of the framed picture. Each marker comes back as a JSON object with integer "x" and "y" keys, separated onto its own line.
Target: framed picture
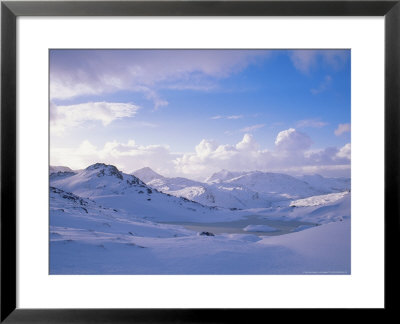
{"x": 186, "y": 156}
{"x": 225, "y": 200}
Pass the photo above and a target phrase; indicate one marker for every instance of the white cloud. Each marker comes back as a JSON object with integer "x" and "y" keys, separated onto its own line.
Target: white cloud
{"x": 335, "y": 58}
{"x": 292, "y": 140}
{"x": 247, "y": 144}
{"x": 227, "y": 117}
{"x": 342, "y": 128}
{"x": 95, "y": 72}
{"x": 345, "y": 152}
{"x": 252, "y": 128}
{"x": 126, "y": 156}
{"x": 307, "y": 60}
{"x": 338, "y": 170}
{"x": 205, "y": 148}
{"x": 63, "y": 117}
{"x": 235, "y": 117}
{"x": 311, "y": 123}
{"x": 291, "y": 154}
{"x": 152, "y": 96}
{"x": 304, "y": 60}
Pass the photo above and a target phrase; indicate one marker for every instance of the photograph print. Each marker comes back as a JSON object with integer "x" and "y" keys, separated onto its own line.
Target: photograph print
{"x": 211, "y": 162}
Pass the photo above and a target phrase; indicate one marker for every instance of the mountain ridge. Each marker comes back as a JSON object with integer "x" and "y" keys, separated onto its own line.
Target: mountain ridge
{"x": 226, "y": 189}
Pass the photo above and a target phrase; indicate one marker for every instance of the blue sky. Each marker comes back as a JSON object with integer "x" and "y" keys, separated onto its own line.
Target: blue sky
{"x": 187, "y": 112}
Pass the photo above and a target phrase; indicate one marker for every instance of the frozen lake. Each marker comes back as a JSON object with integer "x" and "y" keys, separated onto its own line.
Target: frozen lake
{"x": 238, "y": 226}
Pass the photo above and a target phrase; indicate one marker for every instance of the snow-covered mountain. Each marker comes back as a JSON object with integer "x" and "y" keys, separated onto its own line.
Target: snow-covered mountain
{"x": 60, "y": 172}
{"x": 71, "y": 213}
{"x": 87, "y": 238}
{"x": 319, "y": 200}
{"x": 222, "y": 176}
{"x": 97, "y": 180}
{"x": 110, "y": 187}
{"x": 147, "y": 174}
{"x": 327, "y": 185}
{"x": 275, "y": 184}
{"x": 55, "y": 169}
{"x": 231, "y": 190}
{"x": 209, "y": 194}
{"x": 103, "y": 221}
{"x": 242, "y": 190}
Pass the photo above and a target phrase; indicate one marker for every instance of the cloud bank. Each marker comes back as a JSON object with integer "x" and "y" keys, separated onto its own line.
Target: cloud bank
{"x": 75, "y": 73}
{"x": 64, "y": 117}
{"x": 342, "y": 128}
{"x": 292, "y": 154}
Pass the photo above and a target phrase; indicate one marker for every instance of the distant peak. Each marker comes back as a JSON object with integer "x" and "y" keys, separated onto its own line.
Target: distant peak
{"x": 223, "y": 175}
{"x": 146, "y": 169}
{"x": 95, "y": 166}
{"x": 147, "y": 174}
{"x": 101, "y": 166}
{"x": 105, "y": 169}
{"x": 55, "y": 169}
{"x": 221, "y": 172}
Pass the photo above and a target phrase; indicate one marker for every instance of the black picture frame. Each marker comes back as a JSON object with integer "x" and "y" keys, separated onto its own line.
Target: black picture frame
{"x": 10, "y": 10}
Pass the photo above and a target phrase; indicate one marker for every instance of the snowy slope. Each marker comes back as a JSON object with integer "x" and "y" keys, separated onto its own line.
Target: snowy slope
{"x": 71, "y": 213}
{"x": 278, "y": 183}
{"x": 242, "y": 190}
{"x": 327, "y": 185}
{"x": 222, "y": 176}
{"x": 226, "y": 196}
{"x": 334, "y": 211}
{"x": 173, "y": 184}
{"x": 147, "y": 174}
{"x": 61, "y": 175}
{"x": 121, "y": 228}
{"x": 326, "y": 211}
{"x": 318, "y": 200}
{"x": 320, "y": 250}
{"x": 110, "y": 187}
{"x": 87, "y": 238}
{"x": 97, "y": 180}
{"x": 274, "y": 183}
